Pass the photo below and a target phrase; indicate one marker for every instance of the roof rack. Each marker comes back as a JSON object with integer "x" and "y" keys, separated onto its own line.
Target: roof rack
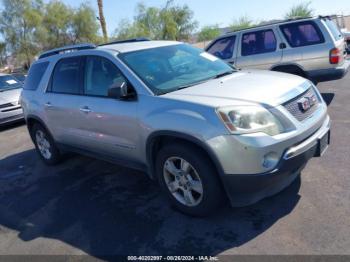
{"x": 132, "y": 40}
{"x": 275, "y": 22}
{"x": 66, "y": 49}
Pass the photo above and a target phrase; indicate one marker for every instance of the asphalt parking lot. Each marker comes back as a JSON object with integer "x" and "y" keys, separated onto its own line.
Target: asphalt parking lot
{"x": 86, "y": 206}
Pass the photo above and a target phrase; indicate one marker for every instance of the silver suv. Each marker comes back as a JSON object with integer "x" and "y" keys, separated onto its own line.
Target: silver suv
{"x": 201, "y": 128}
{"x": 313, "y": 48}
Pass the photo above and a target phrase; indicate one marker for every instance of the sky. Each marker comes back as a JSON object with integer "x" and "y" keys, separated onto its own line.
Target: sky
{"x": 222, "y": 12}
{"x": 210, "y": 12}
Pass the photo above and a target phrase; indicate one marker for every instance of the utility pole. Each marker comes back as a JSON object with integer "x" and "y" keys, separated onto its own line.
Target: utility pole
{"x": 102, "y": 20}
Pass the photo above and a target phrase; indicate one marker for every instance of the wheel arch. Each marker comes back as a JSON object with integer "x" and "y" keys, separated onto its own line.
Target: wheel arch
{"x": 157, "y": 139}
{"x": 290, "y": 68}
{"x": 31, "y": 120}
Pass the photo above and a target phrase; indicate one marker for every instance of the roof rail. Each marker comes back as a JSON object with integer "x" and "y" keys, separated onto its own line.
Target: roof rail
{"x": 275, "y": 22}
{"x": 66, "y": 49}
{"x": 132, "y": 40}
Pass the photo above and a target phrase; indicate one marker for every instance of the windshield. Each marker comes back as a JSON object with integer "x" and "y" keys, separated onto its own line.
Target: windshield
{"x": 9, "y": 82}
{"x": 169, "y": 68}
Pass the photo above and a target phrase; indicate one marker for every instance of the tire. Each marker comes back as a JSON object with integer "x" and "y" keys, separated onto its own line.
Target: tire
{"x": 45, "y": 145}
{"x": 198, "y": 175}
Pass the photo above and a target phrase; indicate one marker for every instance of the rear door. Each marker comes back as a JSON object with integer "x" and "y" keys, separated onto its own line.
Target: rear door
{"x": 62, "y": 100}
{"x": 259, "y": 49}
{"x": 224, "y": 48}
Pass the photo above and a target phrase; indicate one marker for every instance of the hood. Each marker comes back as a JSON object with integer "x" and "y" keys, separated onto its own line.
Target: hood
{"x": 9, "y": 96}
{"x": 254, "y": 86}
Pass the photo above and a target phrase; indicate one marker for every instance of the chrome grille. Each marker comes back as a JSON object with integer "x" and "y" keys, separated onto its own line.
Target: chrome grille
{"x": 6, "y": 105}
{"x": 294, "y": 108}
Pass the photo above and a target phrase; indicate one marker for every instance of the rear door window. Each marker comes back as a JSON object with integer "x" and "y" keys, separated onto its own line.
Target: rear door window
{"x": 36, "y": 73}
{"x": 223, "y": 48}
{"x": 302, "y": 34}
{"x": 258, "y": 42}
{"x": 67, "y": 77}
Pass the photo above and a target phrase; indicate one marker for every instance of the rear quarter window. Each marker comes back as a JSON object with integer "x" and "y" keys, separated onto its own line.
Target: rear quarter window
{"x": 36, "y": 73}
{"x": 333, "y": 28}
{"x": 302, "y": 34}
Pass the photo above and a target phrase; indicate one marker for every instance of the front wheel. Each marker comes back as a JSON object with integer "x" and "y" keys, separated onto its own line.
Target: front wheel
{"x": 189, "y": 179}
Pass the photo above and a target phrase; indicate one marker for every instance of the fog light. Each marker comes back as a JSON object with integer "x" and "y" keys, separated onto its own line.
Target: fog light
{"x": 270, "y": 160}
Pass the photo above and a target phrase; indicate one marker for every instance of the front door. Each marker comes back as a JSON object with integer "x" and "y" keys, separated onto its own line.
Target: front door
{"x": 110, "y": 125}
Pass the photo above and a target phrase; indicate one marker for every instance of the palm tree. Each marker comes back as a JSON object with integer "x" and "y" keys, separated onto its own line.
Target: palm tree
{"x": 300, "y": 11}
{"x": 102, "y": 20}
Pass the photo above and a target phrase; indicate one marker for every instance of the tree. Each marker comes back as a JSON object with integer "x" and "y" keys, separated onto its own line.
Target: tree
{"x": 300, "y": 10}
{"x": 241, "y": 23}
{"x": 84, "y": 25}
{"x": 30, "y": 26}
{"x": 57, "y": 23}
{"x": 102, "y": 20}
{"x": 2, "y": 53}
{"x": 172, "y": 22}
{"x": 177, "y": 21}
{"x": 127, "y": 30}
{"x": 208, "y": 33}
{"x": 21, "y": 26}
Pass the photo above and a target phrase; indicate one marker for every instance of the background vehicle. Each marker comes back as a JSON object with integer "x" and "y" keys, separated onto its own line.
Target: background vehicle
{"x": 198, "y": 126}
{"x": 20, "y": 77}
{"x": 10, "y": 90}
{"x": 347, "y": 39}
{"x": 312, "y": 48}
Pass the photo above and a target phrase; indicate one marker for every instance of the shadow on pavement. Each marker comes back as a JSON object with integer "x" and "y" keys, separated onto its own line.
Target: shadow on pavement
{"x": 328, "y": 97}
{"x": 105, "y": 210}
{"x": 9, "y": 126}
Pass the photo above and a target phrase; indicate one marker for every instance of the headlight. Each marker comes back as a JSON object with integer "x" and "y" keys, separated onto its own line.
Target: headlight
{"x": 249, "y": 119}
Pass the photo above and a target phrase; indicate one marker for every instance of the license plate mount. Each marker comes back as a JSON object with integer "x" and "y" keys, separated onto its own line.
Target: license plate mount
{"x": 322, "y": 144}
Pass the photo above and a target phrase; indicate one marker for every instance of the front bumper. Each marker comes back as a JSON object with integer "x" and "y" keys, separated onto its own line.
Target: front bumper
{"x": 244, "y": 189}
{"x": 11, "y": 116}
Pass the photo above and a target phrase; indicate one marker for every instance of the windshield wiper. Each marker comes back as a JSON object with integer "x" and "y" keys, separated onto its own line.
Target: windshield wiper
{"x": 223, "y": 74}
{"x": 197, "y": 83}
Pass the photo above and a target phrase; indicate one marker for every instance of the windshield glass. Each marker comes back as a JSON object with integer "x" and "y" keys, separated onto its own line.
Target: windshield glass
{"x": 9, "y": 82}
{"x": 169, "y": 68}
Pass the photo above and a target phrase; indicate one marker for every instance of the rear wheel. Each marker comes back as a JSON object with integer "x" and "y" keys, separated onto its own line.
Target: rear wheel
{"x": 189, "y": 180}
{"x": 45, "y": 146}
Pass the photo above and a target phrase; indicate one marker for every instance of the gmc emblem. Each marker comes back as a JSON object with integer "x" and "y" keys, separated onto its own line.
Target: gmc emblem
{"x": 307, "y": 102}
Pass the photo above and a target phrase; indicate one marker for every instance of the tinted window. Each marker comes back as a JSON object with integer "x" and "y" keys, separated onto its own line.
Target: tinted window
{"x": 100, "y": 75}
{"x": 66, "y": 77}
{"x": 334, "y": 29}
{"x": 9, "y": 82}
{"x": 169, "y": 68}
{"x": 258, "y": 42}
{"x": 302, "y": 34}
{"x": 223, "y": 48}
{"x": 35, "y": 75}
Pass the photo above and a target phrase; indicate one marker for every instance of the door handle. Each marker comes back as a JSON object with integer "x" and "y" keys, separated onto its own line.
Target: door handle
{"x": 48, "y": 105}
{"x": 85, "y": 109}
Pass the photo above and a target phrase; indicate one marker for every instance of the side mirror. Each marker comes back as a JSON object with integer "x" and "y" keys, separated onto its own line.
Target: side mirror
{"x": 120, "y": 90}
